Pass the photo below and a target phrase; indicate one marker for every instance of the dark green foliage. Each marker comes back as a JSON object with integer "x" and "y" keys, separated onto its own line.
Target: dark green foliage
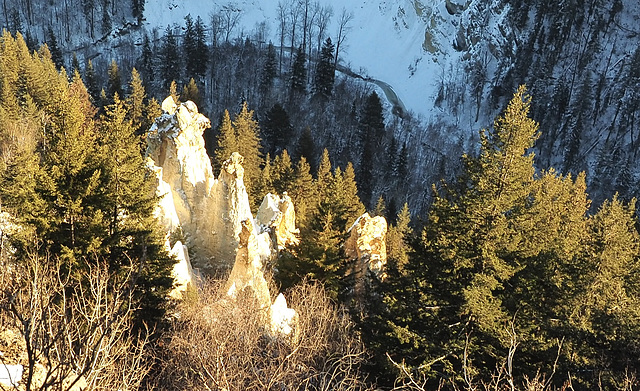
{"x": 298, "y": 84}
{"x": 269, "y": 71}
{"x": 325, "y": 71}
{"x": 80, "y": 189}
{"x": 276, "y": 129}
{"x": 91, "y": 81}
{"x": 189, "y": 46}
{"x": 54, "y": 48}
{"x": 137, "y": 10}
{"x": 106, "y": 18}
{"x": 306, "y": 147}
{"x": 146, "y": 60}
{"x": 170, "y": 58}
{"x": 201, "y": 49}
{"x": 114, "y": 82}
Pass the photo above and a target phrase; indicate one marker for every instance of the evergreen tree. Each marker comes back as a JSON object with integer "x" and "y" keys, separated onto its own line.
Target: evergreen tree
{"x": 269, "y": 71}
{"x": 276, "y": 129}
{"x": 75, "y": 64}
{"x": 189, "y": 45}
{"x": 135, "y": 103}
{"x": 283, "y": 173}
{"x": 298, "y": 84}
{"x": 146, "y": 61}
{"x": 54, "y": 49}
{"x": 303, "y": 193}
{"x": 248, "y": 142}
{"x": 171, "y": 58}
{"x": 91, "y": 81}
{"x": 128, "y": 190}
{"x": 137, "y": 10}
{"x": 227, "y": 141}
{"x": 371, "y": 135}
{"x": 325, "y": 71}
{"x": 106, "y": 18}
{"x": 201, "y": 49}
{"x": 306, "y": 147}
{"x": 192, "y": 93}
{"x": 114, "y": 82}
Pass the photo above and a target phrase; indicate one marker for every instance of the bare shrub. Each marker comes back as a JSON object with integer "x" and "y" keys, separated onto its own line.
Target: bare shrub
{"x": 74, "y": 329}
{"x": 218, "y": 344}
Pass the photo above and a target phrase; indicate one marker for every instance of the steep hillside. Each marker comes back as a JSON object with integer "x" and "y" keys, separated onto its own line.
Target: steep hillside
{"x": 451, "y": 64}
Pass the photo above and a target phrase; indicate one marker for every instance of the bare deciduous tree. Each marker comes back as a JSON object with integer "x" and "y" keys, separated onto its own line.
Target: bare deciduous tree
{"x": 343, "y": 28}
{"x": 75, "y": 327}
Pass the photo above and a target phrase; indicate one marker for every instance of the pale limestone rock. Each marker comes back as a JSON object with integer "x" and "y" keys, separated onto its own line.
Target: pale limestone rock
{"x": 183, "y": 275}
{"x": 366, "y": 245}
{"x": 169, "y": 105}
{"x": 214, "y": 215}
{"x": 208, "y": 211}
{"x": 278, "y": 215}
{"x": 247, "y": 271}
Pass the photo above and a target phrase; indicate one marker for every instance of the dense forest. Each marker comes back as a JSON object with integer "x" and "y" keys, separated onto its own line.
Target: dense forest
{"x": 503, "y": 272}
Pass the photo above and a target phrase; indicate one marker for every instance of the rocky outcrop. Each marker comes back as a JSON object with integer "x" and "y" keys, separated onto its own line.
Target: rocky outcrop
{"x": 278, "y": 216}
{"x": 367, "y": 247}
{"x": 206, "y": 210}
{"x": 213, "y": 214}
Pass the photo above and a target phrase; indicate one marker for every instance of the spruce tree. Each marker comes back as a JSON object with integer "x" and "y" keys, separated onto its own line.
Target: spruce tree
{"x": 227, "y": 141}
{"x": 248, "y": 143}
{"x": 325, "y": 71}
{"x": 283, "y": 173}
{"x": 189, "y": 42}
{"x": 171, "y": 59}
{"x": 303, "y": 193}
{"x": 54, "y": 49}
{"x": 146, "y": 61}
{"x": 269, "y": 71}
{"x": 136, "y": 103}
{"x": 298, "y": 84}
{"x": 192, "y": 93}
{"x": 201, "y": 49}
{"x": 91, "y": 81}
{"x": 114, "y": 82}
{"x": 277, "y": 130}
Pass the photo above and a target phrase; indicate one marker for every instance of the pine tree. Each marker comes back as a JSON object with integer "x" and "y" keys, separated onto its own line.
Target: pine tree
{"x": 303, "y": 193}
{"x": 189, "y": 47}
{"x": 227, "y": 141}
{"x": 137, "y": 10}
{"x": 75, "y": 64}
{"x": 91, "y": 81}
{"x": 133, "y": 240}
{"x": 54, "y": 49}
{"x": 136, "y": 103}
{"x": 171, "y": 59}
{"x": 201, "y": 49}
{"x": 114, "y": 82}
{"x": 283, "y": 173}
{"x": 276, "y": 129}
{"x": 269, "y": 71}
{"x": 306, "y": 147}
{"x": 192, "y": 93}
{"x": 248, "y": 131}
{"x": 106, "y": 18}
{"x": 298, "y": 84}
{"x": 146, "y": 61}
{"x": 325, "y": 71}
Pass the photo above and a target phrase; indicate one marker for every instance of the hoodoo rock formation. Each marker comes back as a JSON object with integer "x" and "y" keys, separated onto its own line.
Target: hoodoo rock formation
{"x": 213, "y": 215}
{"x": 367, "y": 247}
